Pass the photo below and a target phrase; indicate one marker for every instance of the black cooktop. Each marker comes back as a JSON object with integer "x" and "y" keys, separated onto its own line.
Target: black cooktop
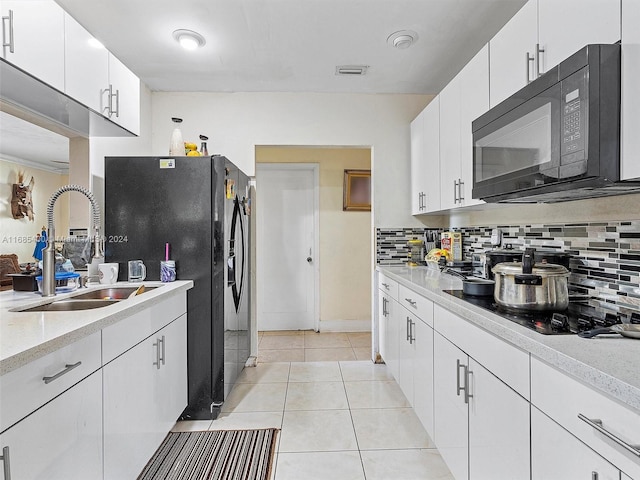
{"x": 577, "y": 317}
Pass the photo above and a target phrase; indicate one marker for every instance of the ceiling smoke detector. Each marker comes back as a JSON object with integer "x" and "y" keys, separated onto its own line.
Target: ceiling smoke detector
{"x": 402, "y": 39}
{"x": 353, "y": 70}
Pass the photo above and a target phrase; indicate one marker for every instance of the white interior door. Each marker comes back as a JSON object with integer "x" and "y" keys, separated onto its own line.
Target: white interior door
{"x": 287, "y": 246}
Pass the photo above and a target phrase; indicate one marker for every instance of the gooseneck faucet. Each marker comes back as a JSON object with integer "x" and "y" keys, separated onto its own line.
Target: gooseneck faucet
{"x": 48, "y": 253}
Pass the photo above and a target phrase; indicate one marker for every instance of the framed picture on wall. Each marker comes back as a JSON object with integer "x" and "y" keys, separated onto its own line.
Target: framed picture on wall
{"x": 357, "y": 191}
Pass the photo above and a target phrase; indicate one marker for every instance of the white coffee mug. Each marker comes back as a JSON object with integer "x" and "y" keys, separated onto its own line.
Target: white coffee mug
{"x": 108, "y": 273}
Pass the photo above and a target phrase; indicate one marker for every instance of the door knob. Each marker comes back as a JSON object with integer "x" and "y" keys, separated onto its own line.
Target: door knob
{"x": 309, "y": 259}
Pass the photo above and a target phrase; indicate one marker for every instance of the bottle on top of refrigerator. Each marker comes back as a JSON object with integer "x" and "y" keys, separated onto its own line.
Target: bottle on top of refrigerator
{"x": 176, "y": 146}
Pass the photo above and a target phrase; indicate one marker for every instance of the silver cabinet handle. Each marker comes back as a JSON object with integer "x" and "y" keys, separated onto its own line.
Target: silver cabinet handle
{"x": 10, "y": 43}
{"x": 386, "y": 285}
{"x": 455, "y": 191}
{"x": 412, "y": 337}
{"x": 117, "y": 110}
{"x": 529, "y": 59}
{"x": 408, "y": 327}
{"x": 6, "y": 463}
{"x": 385, "y": 313}
{"x": 460, "y": 185}
{"x": 411, "y": 302}
{"x": 594, "y": 475}
{"x": 110, "y": 96}
{"x": 539, "y": 51}
{"x": 163, "y": 345}
{"x": 460, "y": 389}
{"x": 158, "y": 356}
{"x": 67, "y": 368}
{"x": 597, "y": 424}
{"x": 467, "y": 383}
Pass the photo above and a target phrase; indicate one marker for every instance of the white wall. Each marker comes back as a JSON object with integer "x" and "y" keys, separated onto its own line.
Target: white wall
{"x": 236, "y": 122}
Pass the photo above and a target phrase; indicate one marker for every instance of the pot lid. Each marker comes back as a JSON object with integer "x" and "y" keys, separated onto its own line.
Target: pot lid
{"x": 542, "y": 269}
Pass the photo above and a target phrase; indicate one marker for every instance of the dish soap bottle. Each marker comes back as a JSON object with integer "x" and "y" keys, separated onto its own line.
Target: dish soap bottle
{"x": 203, "y": 146}
{"x": 176, "y": 147}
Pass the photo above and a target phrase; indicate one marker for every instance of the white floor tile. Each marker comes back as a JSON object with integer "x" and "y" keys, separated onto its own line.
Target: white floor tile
{"x": 317, "y": 431}
{"x": 364, "y": 370}
{"x": 328, "y": 354}
{"x": 319, "y": 466}
{"x": 375, "y": 394}
{"x": 281, "y": 342}
{"x": 256, "y": 397}
{"x": 315, "y": 372}
{"x": 418, "y": 464}
{"x": 316, "y": 396}
{"x": 389, "y": 428}
{"x": 247, "y": 420}
{"x": 265, "y": 373}
{"x": 326, "y": 340}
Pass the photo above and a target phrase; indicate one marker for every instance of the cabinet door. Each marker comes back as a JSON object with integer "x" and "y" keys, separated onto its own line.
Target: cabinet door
{"x": 37, "y": 31}
{"x": 474, "y": 101}
{"x": 383, "y": 320}
{"x": 567, "y": 26}
{"x": 418, "y": 164}
{"x": 508, "y": 66}
{"x": 555, "y": 453}
{"x": 499, "y": 446}
{"x": 394, "y": 320}
{"x": 63, "y": 439}
{"x": 450, "y": 144}
{"x": 406, "y": 352}
{"x": 131, "y": 435}
{"x": 125, "y": 105}
{"x": 171, "y": 387}
{"x": 630, "y": 123}
{"x": 451, "y": 411}
{"x": 432, "y": 156}
{"x": 423, "y": 375}
{"x": 86, "y": 66}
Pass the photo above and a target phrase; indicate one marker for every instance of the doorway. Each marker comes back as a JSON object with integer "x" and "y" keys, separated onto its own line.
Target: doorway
{"x": 287, "y": 200}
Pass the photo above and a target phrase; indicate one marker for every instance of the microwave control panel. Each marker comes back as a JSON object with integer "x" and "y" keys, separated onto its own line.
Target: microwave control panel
{"x": 575, "y": 104}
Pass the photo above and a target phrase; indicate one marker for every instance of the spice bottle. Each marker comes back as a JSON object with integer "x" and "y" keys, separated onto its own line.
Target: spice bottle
{"x": 203, "y": 146}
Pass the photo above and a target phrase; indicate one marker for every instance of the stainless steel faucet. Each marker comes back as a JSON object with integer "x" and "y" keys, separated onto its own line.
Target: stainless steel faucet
{"x": 48, "y": 252}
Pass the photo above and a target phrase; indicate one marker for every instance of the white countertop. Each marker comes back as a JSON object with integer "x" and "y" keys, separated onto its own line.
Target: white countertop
{"x": 609, "y": 363}
{"x": 26, "y": 336}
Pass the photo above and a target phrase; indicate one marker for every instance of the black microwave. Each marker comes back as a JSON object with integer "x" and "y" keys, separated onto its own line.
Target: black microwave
{"x": 556, "y": 139}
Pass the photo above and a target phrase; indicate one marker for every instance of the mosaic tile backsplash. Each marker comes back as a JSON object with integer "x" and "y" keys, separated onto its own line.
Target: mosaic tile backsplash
{"x": 606, "y": 255}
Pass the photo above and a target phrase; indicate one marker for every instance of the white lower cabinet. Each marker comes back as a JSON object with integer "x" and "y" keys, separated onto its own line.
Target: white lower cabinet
{"x": 555, "y": 453}
{"x": 451, "y": 410}
{"x": 481, "y": 423}
{"x": 145, "y": 391}
{"x": 407, "y": 352}
{"x": 62, "y": 440}
{"x": 423, "y": 375}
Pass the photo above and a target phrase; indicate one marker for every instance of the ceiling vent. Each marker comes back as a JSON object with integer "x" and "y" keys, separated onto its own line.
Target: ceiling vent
{"x": 352, "y": 70}
{"x": 402, "y": 39}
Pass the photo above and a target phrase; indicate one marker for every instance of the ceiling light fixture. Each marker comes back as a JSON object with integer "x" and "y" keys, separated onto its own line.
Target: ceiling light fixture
{"x": 188, "y": 39}
{"x": 402, "y": 39}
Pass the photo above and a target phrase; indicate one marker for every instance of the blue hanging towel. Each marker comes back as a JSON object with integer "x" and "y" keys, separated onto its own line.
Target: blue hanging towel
{"x": 41, "y": 243}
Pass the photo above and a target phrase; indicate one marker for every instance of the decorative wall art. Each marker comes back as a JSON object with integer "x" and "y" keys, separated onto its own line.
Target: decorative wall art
{"x": 21, "y": 200}
{"x": 357, "y": 191}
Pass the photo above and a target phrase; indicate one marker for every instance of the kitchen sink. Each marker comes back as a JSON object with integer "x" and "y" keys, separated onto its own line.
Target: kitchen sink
{"x": 70, "y": 305}
{"x": 110, "y": 293}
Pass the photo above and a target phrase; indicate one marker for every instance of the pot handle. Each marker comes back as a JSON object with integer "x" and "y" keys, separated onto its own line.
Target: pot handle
{"x": 527, "y": 261}
{"x": 527, "y": 279}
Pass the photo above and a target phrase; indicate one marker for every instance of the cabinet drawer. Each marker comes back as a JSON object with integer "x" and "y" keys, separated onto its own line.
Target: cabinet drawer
{"x": 24, "y": 390}
{"x": 388, "y": 286}
{"x": 563, "y": 398}
{"x": 508, "y": 363}
{"x": 416, "y": 304}
{"x": 121, "y": 336}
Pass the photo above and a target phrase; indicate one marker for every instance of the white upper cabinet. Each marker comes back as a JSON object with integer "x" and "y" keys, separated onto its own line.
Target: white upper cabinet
{"x": 564, "y": 27}
{"x": 425, "y": 160}
{"x": 511, "y": 53}
{"x": 542, "y": 34}
{"x": 450, "y": 144}
{"x": 630, "y": 123}
{"x": 123, "y": 96}
{"x": 86, "y": 66}
{"x": 33, "y": 39}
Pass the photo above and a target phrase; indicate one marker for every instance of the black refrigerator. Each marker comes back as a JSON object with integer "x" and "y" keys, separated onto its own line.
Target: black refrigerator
{"x": 200, "y": 206}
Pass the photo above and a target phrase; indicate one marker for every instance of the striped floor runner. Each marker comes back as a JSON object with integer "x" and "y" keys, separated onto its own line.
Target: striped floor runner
{"x": 213, "y": 455}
